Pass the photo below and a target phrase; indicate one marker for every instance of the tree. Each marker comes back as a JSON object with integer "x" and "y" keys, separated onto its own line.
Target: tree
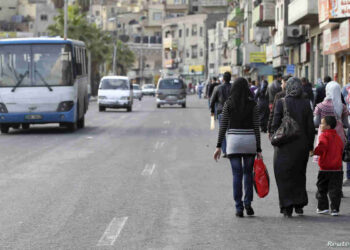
{"x": 98, "y": 42}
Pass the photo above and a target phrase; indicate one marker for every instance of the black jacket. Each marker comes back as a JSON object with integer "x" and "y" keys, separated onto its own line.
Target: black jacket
{"x": 274, "y": 88}
{"x": 220, "y": 95}
{"x": 211, "y": 88}
{"x": 307, "y": 89}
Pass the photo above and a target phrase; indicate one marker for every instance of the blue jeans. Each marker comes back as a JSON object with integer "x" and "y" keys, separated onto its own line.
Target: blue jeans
{"x": 242, "y": 172}
{"x": 348, "y": 164}
{"x": 223, "y": 144}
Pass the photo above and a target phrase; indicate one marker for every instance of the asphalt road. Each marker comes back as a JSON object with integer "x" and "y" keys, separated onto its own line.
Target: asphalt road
{"x": 142, "y": 180}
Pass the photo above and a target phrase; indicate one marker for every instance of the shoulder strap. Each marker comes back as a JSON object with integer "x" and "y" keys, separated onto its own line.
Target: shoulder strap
{"x": 285, "y": 110}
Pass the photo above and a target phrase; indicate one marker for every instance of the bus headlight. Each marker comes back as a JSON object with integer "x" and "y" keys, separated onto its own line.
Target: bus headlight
{"x": 3, "y": 108}
{"x": 65, "y": 106}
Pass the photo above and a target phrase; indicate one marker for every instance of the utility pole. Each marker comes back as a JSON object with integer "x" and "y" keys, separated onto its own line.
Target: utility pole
{"x": 115, "y": 58}
{"x": 65, "y": 18}
{"x": 141, "y": 62}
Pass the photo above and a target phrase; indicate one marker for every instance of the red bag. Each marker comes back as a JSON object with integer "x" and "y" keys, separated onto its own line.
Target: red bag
{"x": 261, "y": 178}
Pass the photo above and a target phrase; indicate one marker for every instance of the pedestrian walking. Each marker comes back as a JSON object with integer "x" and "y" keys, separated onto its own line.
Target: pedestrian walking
{"x": 253, "y": 88}
{"x": 346, "y": 94}
{"x": 262, "y": 99}
{"x": 218, "y": 99}
{"x": 275, "y": 88}
{"x": 321, "y": 90}
{"x": 332, "y": 106}
{"x": 307, "y": 89}
{"x": 211, "y": 88}
{"x": 200, "y": 90}
{"x": 278, "y": 96}
{"x": 240, "y": 123}
{"x": 290, "y": 159}
{"x": 330, "y": 177}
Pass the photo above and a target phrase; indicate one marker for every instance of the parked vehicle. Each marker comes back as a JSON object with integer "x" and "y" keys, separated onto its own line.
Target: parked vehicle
{"x": 171, "y": 91}
{"x": 137, "y": 92}
{"x": 115, "y": 92}
{"x": 43, "y": 80}
{"x": 149, "y": 89}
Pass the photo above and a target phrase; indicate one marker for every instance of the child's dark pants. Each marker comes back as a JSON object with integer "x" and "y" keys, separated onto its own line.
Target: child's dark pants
{"x": 329, "y": 182}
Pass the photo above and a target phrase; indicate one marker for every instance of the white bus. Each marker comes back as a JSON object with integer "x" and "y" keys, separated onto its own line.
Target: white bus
{"x": 43, "y": 80}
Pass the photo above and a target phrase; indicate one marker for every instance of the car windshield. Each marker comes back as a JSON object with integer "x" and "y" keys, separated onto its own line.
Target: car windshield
{"x": 36, "y": 65}
{"x": 136, "y": 87}
{"x": 148, "y": 87}
{"x": 121, "y": 84}
{"x": 171, "y": 84}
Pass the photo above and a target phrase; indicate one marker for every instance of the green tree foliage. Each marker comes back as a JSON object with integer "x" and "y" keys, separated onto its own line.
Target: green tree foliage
{"x": 99, "y": 43}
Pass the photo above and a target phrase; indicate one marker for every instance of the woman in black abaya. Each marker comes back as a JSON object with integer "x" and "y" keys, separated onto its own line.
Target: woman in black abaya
{"x": 290, "y": 159}
{"x": 262, "y": 99}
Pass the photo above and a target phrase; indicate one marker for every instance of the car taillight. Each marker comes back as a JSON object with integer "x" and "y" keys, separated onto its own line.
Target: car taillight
{"x": 65, "y": 106}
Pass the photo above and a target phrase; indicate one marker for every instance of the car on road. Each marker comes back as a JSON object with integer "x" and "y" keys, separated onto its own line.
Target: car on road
{"x": 137, "y": 92}
{"x": 149, "y": 89}
{"x": 115, "y": 92}
{"x": 171, "y": 91}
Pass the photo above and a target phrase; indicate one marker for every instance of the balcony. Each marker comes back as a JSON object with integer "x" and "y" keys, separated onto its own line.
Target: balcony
{"x": 303, "y": 12}
{"x": 212, "y": 3}
{"x": 176, "y": 7}
{"x": 170, "y": 44}
{"x": 236, "y": 15}
{"x": 264, "y": 14}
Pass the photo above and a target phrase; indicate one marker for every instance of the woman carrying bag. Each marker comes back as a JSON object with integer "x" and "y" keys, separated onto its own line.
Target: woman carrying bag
{"x": 240, "y": 125}
{"x": 291, "y": 156}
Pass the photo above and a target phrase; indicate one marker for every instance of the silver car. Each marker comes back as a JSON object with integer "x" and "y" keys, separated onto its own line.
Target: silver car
{"x": 149, "y": 89}
{"x": 137, "y": 92}
{"x": 171, "y": 91}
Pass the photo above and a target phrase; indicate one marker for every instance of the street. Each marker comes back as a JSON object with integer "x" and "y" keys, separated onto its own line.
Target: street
{"x": 143, "y": 180}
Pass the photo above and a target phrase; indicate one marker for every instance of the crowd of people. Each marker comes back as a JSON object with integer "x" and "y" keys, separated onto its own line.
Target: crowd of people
{"x": 244, "y": 109}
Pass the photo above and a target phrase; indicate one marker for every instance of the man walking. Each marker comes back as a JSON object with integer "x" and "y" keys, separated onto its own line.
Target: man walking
{"x": 321, "y": 90}
{"x": 218, "y": 99}
{"x": 274, "y": 88}
{"x": 214, "y": 83}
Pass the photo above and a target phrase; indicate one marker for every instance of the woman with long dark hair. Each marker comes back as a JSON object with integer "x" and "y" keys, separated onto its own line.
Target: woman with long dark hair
{"x": 290, "y": 159}
{"x": 240, "y": 125}
{"x": 262, "y": 99}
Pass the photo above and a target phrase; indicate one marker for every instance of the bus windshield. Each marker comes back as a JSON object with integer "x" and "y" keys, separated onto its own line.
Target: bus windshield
{"x": 36, "y": 65}
{"x": 115, "y": 84}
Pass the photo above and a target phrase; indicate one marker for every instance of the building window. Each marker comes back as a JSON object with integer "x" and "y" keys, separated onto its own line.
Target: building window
{"x": 43, "y": 17}
{"x": 278, "y": 14}
{"x": 157, "y": 16}
{"x": 194, "y": 51}
{"x": 187, "y": 32}
{"x": 12, "y": 8}
{"x": 201, "y": 53}
{"x": 201, "y": 31}
{"x": 97, "y": 13}
{"x": 187, "y": 53}
{"x": 112, "y": 10}
{"x": 180, "y": 33}
{"x": 212, "y": 47}
{"x": 211, "y": 66}
{"x": 194, "y": 29}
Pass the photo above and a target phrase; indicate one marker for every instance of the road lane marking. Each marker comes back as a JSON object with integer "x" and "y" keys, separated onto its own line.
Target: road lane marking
{"x": 112, "y": 232}
{"x": 166, "y": 122}
{"x": 164, "y": 132}
{"x": 156, "y": 146}
{"x": 148, "y": 169}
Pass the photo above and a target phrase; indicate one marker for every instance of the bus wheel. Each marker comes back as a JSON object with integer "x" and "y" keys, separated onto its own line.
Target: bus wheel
{"x": 101, "y": 109}
{"x": 129, "y": 109}
{"x": 25, "y": 126}
{"x": 16, "y": 126}
{"x": 4, "y": 129}
{"x": 81, "y": 122}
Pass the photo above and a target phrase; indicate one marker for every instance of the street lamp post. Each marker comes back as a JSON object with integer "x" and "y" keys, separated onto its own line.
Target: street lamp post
{"x": 65, "y": 18}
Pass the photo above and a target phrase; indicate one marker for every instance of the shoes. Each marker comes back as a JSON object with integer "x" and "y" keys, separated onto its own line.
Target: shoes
{"x": 249, "y": 210}
{"x": 335, "y": 213}
{"x": 346, "y": 183}
{"x": 299, "y": 211}
{"x": 239, "y": 214}
{"x": 287, "y": 213}
{"x": 326, "y": 211}
{"x": 224, "y": 156}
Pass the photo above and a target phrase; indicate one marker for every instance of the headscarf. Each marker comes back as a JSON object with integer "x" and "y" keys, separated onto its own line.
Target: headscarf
{"x": 333, "y": 93}
{"x": 240, "y": 96}
{"x": 294, "y": 87}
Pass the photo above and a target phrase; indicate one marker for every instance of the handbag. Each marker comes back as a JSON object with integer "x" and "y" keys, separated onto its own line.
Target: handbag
{"x": 261, "y": 178}
{"x": 289, "y": 129}
{"x": 346, "y": 152}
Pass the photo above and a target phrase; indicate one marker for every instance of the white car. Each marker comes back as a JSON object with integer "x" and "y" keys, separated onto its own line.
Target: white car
{"x": 115, "y": 92}
{"x": 149, "y": 89}
{"x": 137, "y": 92}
